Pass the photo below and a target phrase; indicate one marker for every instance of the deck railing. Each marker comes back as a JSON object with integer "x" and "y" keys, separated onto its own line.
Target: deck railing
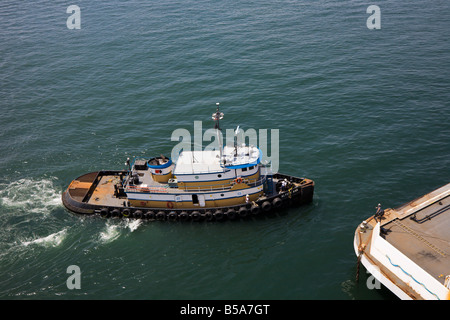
{"x": 164, "y": 188}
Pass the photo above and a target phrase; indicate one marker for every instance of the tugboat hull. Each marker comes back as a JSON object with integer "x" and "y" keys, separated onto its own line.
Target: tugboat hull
{"x": 97, "y": 193}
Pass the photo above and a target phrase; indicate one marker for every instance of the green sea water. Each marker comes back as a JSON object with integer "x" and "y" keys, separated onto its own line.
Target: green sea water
{"x": 362, "y": 112}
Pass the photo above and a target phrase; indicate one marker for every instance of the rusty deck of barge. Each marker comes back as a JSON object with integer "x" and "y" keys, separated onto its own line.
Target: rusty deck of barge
{"x": 408, "y": 248}
{"x": 424, "y": 237}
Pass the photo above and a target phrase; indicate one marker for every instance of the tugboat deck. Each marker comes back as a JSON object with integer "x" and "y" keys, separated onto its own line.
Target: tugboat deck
{"x": 98, "y": 189}
{"x": 104, "y": 192}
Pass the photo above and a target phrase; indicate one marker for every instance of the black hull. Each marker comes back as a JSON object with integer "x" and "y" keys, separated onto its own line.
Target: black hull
{"x": 301, "y": 194}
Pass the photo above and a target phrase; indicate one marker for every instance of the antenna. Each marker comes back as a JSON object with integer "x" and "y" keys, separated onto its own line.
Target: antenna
{"x": 235, "y": 140}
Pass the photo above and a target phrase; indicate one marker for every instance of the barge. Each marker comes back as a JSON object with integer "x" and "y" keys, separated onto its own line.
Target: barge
{"x": 211, "y": 185}
{"x": 407, "y": 249}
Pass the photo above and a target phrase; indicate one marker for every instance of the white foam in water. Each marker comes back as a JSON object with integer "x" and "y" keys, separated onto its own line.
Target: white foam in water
{"x": 52, "y": 240}
{"x": 111, "y": 233}
{"x": 37, "y": 196}
{"x": 134, "y": 224}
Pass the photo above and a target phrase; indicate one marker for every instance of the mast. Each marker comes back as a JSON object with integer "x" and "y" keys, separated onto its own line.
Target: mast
{"x": 216, "y": 117}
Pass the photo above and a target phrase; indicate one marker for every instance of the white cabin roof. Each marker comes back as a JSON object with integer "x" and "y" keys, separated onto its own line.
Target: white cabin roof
{"x": 191, "y": 162}
{"x": 208, "y": 161}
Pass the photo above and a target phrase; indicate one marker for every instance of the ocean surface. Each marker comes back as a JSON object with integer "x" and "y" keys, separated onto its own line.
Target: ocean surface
{"x": 363, "y": 112}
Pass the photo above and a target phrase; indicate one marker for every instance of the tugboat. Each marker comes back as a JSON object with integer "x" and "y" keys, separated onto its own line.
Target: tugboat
{"x": 210, "y": 185}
